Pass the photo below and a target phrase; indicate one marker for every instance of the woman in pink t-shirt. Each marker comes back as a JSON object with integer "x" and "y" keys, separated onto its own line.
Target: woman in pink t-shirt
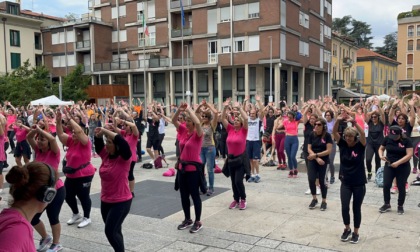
{"x": 22, "y": 147}
{"x": 31, "y": 189}
{"x": 291, "y": 143}
{"x": 115, "y": 193}
{"x": 11, "y": 118}
{"x": 131, "y": 135}
{"x": 237, "y": 161}
{"x": 190, "y": 137}
{"x": 78, "y": 169}
{"x": 2, "y": 150}
{"x": 47, "y": 151}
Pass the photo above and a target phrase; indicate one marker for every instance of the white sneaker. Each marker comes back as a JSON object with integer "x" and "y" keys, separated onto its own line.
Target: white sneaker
{"x": 318, "y": 190}
{"x": 73, "y": 219}
{"x": 84, "y": 223}
{"x": 1, "y": 191}
{"x": 308, "y": 192}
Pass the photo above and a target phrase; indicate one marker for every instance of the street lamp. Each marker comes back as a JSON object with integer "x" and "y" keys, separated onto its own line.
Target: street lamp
{"x": 328, "y": 75}
{"x": 4, "y": 33}
{"x": 188, "y": 93}
{"x": 270, "y": 98}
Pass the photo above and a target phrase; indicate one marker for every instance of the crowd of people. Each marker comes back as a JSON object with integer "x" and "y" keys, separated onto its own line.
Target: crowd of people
{"x": 242, "y": 135}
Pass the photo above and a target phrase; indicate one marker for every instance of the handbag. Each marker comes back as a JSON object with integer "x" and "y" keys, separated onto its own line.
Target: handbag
{"x": 70, "y": 170}
{"x": 235, "y": 161}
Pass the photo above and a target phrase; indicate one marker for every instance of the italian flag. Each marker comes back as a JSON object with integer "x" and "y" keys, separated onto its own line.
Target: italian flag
{"x": 145, "y": 30}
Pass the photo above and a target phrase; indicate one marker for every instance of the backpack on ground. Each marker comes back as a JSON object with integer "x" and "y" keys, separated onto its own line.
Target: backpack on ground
{"x": 158, "y": 162}
{"x": 147, "y": 166}
{"x": 379, "y": 177}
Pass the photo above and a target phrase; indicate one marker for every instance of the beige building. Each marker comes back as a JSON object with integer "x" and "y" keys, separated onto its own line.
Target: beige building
{"x": 343, "y": 62}
{"x": 230, "y": 48}
{"x": 21, "y": 39}
{"x": 408, "y": 52}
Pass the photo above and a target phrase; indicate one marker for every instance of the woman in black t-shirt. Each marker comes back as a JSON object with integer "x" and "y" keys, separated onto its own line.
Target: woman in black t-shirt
{"x": 376, "y": 122}
{"x": 399, "y": 151}
{"x": 319, "y": 149}
{"x": 352, "y": 174}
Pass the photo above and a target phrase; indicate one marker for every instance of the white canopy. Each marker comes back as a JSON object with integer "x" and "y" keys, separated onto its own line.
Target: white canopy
{"x": 50, "y": 100}
{"x": 384, "y": 97}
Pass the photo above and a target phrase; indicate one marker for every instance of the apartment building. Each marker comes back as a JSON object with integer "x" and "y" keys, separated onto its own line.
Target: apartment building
{"x": 21, "y": 36}
{"x": 376, "y": 74}
{"x": 408, "y": 52}
{"x": 343, "y": 62}
{"x": 224, "y": 48}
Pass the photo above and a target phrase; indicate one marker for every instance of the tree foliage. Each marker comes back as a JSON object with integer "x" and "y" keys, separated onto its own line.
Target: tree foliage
{"x": 358, "y": 30}
{"x": 26, "y": 84}
{"x": 75, "y": 85}
{"x": 71, "y": 16}
{"x": 390, "y": 46}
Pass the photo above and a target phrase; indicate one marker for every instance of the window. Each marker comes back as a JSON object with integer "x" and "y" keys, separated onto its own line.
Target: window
{"x": 304, "y": 19}
{"x": 212, "y": 21}
{"x": 225, "y": 14}
{"x": 321, "y": 7}
{"x": 240, "y": 11}
{"x": 212, "y": 52}
{"x": 327, "y": 31}
{"x": 409, "y": 73}
{"x": 14, "y": 38}
{"x": 141, "y": 39}
{"x": 239, "y": 44}
{"x": 254, "y": 10}
{"x": 303, "y": 48}
{"x": 240, "y": 79}
{"x": 152, "y": 35}
{"x": 254, "y": 43}
{"x": 122, "y": 12}
{"x": 202, "y": 78}
{"x": 282, "y": 46}
{"x": 15, "y": 58}
{"x": 151, "y": 13}
{"x": 327, "y": 55}
{"x": 321, "y": 30}
{"x": 410, "y": 45}
{"x": 283, "y": 13}
{"x": 122, "y": 36}
{"x": 38, "y": 42}
{"x": 418, "y": 30}
{"x": 418, "y": 44}
{"x": 410, "y": 32}
{"x": 328, "y": 7}
{"x": 321, "y": 58}
{"x": 12, "y": 9}
{"x": 335, "y": 50}
{"x": 140, "y": 16}
{"x": 225, "y": 45}
{"x": 409, "y": 59}
{"x": 38, "y": 60}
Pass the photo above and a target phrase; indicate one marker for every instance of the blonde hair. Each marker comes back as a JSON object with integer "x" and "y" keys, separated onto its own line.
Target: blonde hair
{"x": 239, "y": 117}
{"x": 351, "y": 131}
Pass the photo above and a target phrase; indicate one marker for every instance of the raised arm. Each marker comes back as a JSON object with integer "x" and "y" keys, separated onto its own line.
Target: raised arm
{"x": 60, "y": 132}
{"x": 335, "y": 133}
{"x": 196, "y": 121}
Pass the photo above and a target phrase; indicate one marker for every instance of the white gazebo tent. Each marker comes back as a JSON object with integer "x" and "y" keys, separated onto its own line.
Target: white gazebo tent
{"x": 50, "y": 100}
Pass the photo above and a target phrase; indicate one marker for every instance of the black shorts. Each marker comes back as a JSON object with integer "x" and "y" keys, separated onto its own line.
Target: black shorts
{"x": 152, "y": 142}
{"x": 23, "y": 149}
{"x": 2, "y": 163}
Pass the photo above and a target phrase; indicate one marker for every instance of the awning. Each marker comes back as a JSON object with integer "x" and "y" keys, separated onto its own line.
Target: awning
{"x": 145, "y": 51}
{"x": 50, "y": 100}
{"x": 347, "y": 93}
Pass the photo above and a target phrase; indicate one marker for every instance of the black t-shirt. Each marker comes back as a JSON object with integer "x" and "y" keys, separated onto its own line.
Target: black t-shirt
{"x": 407, "y": 129}
{"x": 376, "y": 133}
{"x": 153, "y": 128}
{"x": 395, "y": 150}
{"x": 319, "y": 144}
{"x": 352, "y": 163}
{"x": 269, "y": 120}
{"x": 306, "y": 133}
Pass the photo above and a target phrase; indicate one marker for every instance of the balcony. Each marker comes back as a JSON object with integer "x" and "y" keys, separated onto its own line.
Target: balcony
{"x": 176, "y": 4}
{"x": 178, "y": 62}
{"x": 338, "y": 83}
{"x": 161, "y": 62}
{"x": 176, "y": 33}
{"x": 86, "y": 69}
{"x": 121, "y": 65}
{"x": 85, "y": 44}
{"x": 347, "y": 62}
{"x": 390, "y": 83}
{"x": 212, "y": 59}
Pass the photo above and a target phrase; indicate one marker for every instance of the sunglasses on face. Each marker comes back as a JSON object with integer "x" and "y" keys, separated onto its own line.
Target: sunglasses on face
{"x": 374, "y": 117}
{"x": 204, "y": 116}
{"x": 318, "y": 124}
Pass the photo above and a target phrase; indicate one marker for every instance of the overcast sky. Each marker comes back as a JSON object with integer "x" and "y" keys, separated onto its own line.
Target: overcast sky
{"x": 380, "y": 14}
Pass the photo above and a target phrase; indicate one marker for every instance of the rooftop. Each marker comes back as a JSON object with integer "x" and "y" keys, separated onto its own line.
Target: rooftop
{"x": 366, "y": 53}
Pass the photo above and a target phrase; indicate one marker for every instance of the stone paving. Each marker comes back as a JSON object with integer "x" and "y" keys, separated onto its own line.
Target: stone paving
{"x": 277, "y": 218}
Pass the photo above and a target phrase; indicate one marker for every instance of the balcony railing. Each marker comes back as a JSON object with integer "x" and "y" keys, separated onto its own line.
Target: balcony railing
{"x": 176, "y": 33}
{"x": 178, "y": 62}
{"x": 85, "y": 44}
{"x": 162, "y": 62}
{"x": 212, "y": 58}
{"x": 338, "y": 83}
{"x": 347, "y": 62}
{"x": 87, "y": 68}
{"x": 131, "y": 64}
{"x": 176, "y": 4}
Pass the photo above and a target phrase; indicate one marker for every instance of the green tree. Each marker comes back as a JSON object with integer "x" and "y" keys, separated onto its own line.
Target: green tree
{"x": 75, "y": 85}
{"x": 342, "y": 25}
{"x": 390, "y": 46}
{"x": 71, "y": 16}
{"x": 358, "y": 30}
{"x": 26, "y": 84}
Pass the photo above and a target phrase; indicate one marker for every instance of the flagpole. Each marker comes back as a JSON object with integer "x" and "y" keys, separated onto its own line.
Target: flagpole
{"x": 144, "y": 65}
{"x": 182, "y": 50}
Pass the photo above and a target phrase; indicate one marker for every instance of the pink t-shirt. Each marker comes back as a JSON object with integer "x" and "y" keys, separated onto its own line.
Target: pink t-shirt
{"x": 20, "y": 134}
{"x": 236, "y": 140}
{"x": 77, "y": 155}
{"x": 15, "y": 232}
{"x": 52, "y": 159}
{"x": 132, "y": 142}
{"x": 190, "y": 146}
{"x": 360, "y": 119}
{"x": 51, "y": 125}
{"x": 291, "y": 128}
{"x": 10, "y": 120}
{"x": 2, "y": 154}
{"x": 114, "y": 178}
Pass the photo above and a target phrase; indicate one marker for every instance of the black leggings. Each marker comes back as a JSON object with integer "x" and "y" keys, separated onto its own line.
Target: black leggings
{"x": 358, "y": 192}
{"x": 79, "y": 187}
{"x": 237, "y": 179}
{"x": 53, "y": 209}
{"x": 131, "y": 172}
{"x": 161, "y": 137}
{"x": 139, "y": 148}
{"x": 11, "y": 135}
{"x": 370, "y": 151}
{"x": 113, "y": 215}
{"x": 401, "y": 174}
{"x": 189, "y": 184}
{"x": 317, "y": 171}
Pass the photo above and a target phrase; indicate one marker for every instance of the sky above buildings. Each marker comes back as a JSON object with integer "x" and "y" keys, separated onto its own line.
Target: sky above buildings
{"x": 380, "y": 14}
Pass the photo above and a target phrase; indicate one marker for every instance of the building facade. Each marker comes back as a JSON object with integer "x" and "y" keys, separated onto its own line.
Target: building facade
{"x": 223, "y": 48}
{"x": 343, "y": 62}
{"x": 376, "y": 74}
{"x": 21, "y": 33}
{"x": 408, "y": 52}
